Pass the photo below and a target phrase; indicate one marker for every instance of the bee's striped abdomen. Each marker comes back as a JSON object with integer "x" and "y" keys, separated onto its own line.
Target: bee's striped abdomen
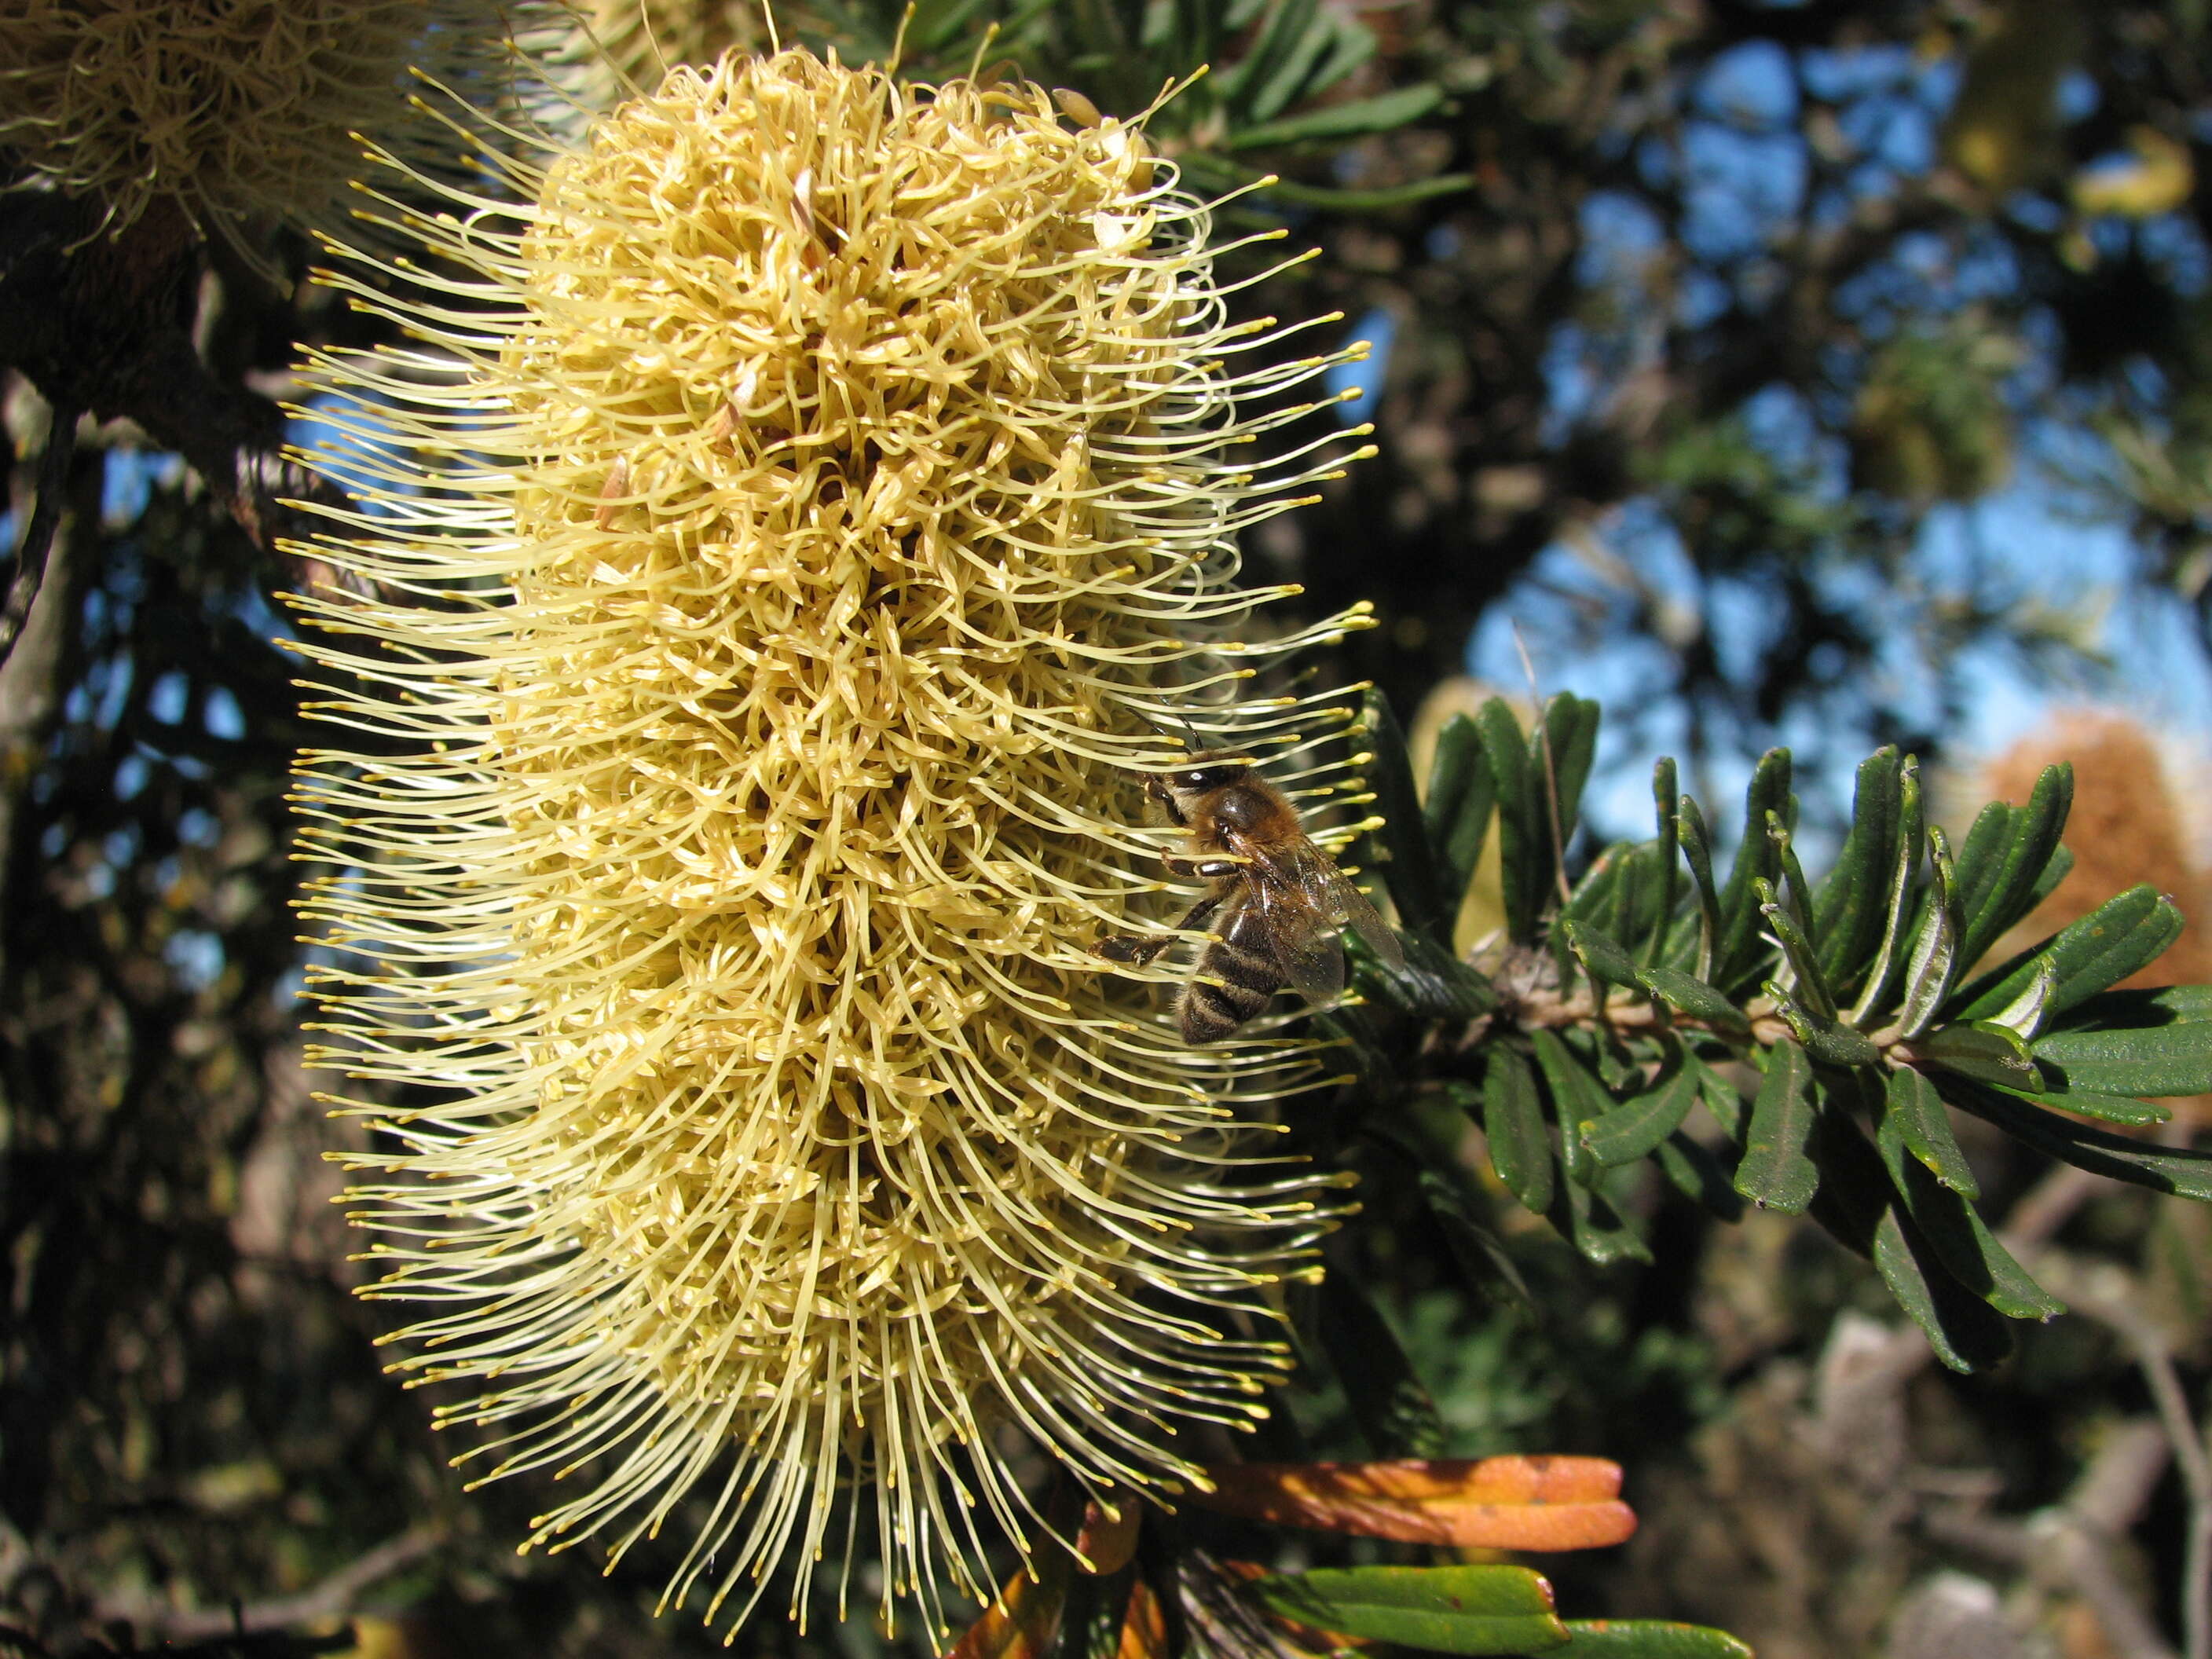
{"x": 1243, "y": 959}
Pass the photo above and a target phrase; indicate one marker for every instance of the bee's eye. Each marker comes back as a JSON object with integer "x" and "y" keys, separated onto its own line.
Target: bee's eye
{"x": 1199, "y": 779}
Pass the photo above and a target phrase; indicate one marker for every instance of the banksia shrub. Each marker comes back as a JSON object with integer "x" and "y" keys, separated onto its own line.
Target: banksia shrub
{"x": 1759, "y": 1037}
{"x": 807, "y": 515}
{"x": 240, "y": 111}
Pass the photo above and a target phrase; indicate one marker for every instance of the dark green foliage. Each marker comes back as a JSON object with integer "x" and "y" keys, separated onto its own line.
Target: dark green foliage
{"x": 1472, "y": 1610}
{"x": 1777, "y": 1172}
{"x": 1388, "y": 1400}
{"x": 1608, "y": 1013}
{"x": 1262, "y": 80}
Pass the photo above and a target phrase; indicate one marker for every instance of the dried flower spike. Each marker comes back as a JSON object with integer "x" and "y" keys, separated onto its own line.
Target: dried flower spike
{"x": 788, "y": 562}
{"x": 243, "y": 111}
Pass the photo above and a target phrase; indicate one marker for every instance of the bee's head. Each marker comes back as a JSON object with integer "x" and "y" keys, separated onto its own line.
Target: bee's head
{"x": 1204, "y": 780}
{"x": 1206, "y": 772}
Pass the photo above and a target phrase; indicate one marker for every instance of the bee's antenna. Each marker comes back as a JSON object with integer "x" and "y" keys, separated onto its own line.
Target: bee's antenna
{"x": 1551, "y": 770}
{"x": 1191, "y": 741}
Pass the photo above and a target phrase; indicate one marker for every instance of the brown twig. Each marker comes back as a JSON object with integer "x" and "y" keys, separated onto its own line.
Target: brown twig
{"x": 39, "y": 534}
{"x": 334, "y": 1596}
{"x": 2100, "y": 1293}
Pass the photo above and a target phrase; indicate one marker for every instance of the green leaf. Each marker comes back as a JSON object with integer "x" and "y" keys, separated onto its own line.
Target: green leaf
{"x": 1480, "y": 1255}
{"x": 2188, "y": 1174}
{"x": 1697, "y": 852}
{"x": 1824, "y": 1040}
{"x": 1643, "y": 900}
{"x": 1697, "y": 1175}
{"x": 1692, "y": 997}
{"x": 2166, "y": 1005}
{"x": 1195, "y": 31}
{"x": 1649, "y": 1638}
{"x": 2122, "y": 936}
{"x": 1604, "y": 959}
{"x": 1668, "y": 849}
{"x": 1913, "y": 1116}
{"x": 1385, "y": 112}
{"x": 1935, "y": 950}
{"x": 1387, "y": 1398}
{"x": 1966, "y": 1334}
{"x": 2123, "y": 1109}
{"x": 1556, "y": 764}
{"x": 1430, "y": 984}
{"x": 2060, "y": 867}
{"x": 1315, "y": 33}
{"x": 1959, "y": 1239}
{"x": 1857, "y": 1205}
{"x": 1775, "y": 1173}
{"x": 1791, "y": 890}
{"x": 1569, "y": 728}
{"x": 2026, "y": 1015}
{"x": 936, "y": 25}
{"x": 1980, "y": 856}
{"x": 1352, "y": 45}
{"x": 1997, "y": 892}
{"x": 1741, "y": 951}
{"x": 1577, "y": 1096}
{"x": 1459, "y": 1610}
{"x": 1848, "y": 910}
{"x": 1722, "y": 1097}
{"x": 1513, "y": 1124}
{"x": 1519, "y": 835}
{"x": 1596, "y": 1226}
{"x": 1640, "y": 1124}
{"x": 1348, "y": 1025}
{"x": 1990, "y": 1054}
{"x": 1598, "y": 1230}
{"x": 1379, "y": 200}
{"x": 1811, "y": 989}
{"x": 1597, "y": 898}
{"x": 1855, "y": 1190}
{"x": 1878, "y": 986}
{"x": 1406, "y": 865}
{"x": 2154, "y": 1059}
{"x": 1461, "y": 793}
{"x": 1282, "y": 25}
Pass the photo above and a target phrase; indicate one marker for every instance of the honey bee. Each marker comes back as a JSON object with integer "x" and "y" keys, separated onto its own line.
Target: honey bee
{"x": 1280, "y": 900}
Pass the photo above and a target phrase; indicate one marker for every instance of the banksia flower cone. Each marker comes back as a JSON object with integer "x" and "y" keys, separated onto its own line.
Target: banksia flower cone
{"x": 238, "y": 111}
{"x": 818, "y": 497}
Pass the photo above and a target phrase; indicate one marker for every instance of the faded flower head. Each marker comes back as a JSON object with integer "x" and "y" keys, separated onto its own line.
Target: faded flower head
{"x": 818, "y": 494}
{"x": 241, "y": 111}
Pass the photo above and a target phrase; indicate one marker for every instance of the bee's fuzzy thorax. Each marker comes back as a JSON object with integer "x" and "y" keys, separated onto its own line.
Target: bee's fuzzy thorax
{"x": 766, "y": 612}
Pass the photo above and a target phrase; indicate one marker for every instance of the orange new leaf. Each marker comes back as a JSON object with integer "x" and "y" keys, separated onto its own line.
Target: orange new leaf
{"x": 1024, "y": 1621}
{"x": 1107, "y": 1537}
{"x": 1144, "y": 1627}
{"x": 1495, "y": 1502}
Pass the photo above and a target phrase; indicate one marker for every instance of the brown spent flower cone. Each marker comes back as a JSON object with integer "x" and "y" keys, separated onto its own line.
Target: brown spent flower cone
{"x": 787, "y": 565}
{"x": 2134, "y": 800}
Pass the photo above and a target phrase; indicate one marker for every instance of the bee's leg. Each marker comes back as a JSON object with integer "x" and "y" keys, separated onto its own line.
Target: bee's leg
{"x": 1138, "y": 948}
{"x": 1206, "y": 869}
{"x": 1164, "y": 797}
{"x": 1141, "y": 948}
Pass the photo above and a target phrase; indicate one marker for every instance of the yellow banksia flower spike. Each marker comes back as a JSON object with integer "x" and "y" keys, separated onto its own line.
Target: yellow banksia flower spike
{"x": 243, "y": 112}
{"x": 802, "y": 517}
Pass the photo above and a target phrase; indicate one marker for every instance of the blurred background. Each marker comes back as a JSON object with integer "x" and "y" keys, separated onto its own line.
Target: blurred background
{"x": 1822, "y": 375}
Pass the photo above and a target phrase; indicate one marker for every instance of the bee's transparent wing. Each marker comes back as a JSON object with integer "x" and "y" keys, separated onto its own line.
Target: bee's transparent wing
{"x": 1291, "y": 889}
{"x": 1350, "y": 909}
{"x": 1311, "y": 959}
